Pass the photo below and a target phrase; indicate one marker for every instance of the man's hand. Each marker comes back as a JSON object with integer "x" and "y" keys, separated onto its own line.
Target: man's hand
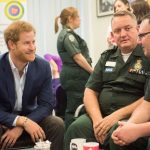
{"x": 32, "y": 128}
{"x": 10, "y": 137}
{"x": 125, "y": 134}
{"x": 102, "y": 127}
{"x": 98, "y": 138}
{"x": 95, "y": 124}
{"x": 35, "y": 131}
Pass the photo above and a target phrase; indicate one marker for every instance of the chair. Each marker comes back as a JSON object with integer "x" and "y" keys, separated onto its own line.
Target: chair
{"x": 78, "y": 110}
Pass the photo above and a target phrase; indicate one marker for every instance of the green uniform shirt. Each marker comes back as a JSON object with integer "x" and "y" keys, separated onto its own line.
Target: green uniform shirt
{"x": 119, "y": 83}
{"x": 69, "y": 44}
{"x": 147, "y": 93}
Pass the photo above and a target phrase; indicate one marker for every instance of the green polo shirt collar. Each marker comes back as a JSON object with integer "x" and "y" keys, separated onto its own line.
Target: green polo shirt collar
{"x": 136, "y": 52}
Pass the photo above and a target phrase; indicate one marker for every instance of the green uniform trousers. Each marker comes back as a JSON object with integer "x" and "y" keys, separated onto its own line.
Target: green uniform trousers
{"x": 74, "y": 99}
{"x": 80, "y": 128}
{"x": 140, "y": 144}
{"x": 73, "y": 80}
{"x": 83, "y": 128}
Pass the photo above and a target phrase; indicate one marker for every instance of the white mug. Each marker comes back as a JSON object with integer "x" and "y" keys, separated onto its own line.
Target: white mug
{"x": 77, "y": 144}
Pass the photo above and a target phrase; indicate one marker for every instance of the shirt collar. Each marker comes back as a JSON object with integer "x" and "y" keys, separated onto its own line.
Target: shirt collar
{"x": 67, "y": 28}
{"x": 136, "y": 52}
{"x": 13, "y": 67}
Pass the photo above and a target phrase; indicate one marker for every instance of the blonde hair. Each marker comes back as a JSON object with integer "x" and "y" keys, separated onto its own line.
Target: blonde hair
{"x": 124, "y": 13}
{"x": 12, "y": 32}
{"x": 64, "y": 16}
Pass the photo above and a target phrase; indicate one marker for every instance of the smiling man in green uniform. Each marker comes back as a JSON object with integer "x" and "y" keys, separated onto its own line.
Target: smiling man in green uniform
{"x": 116, "y": 86}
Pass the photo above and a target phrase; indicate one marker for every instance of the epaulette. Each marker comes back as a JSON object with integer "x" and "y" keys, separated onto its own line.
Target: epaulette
{"x": 110, "y": 50}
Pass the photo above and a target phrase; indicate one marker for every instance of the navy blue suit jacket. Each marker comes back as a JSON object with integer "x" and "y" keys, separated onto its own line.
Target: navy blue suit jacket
{"x": 37, "y": 101}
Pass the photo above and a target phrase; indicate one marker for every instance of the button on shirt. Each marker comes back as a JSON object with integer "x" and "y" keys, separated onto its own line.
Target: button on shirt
{"x": 19, "y": 85}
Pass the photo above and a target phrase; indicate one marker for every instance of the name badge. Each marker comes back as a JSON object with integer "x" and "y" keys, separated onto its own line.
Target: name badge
{"x": 110, "y": 63}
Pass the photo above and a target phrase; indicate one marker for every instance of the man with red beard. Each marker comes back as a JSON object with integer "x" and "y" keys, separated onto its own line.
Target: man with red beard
{"x": 116, "y": 86}
{"x": 26, "y": 101}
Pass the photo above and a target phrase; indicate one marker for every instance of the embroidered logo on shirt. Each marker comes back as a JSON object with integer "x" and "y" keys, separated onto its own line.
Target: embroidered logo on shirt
{"x": 71, "y": 38}
{"x": 138, "y": 65}
{"x": 137, "y": 69}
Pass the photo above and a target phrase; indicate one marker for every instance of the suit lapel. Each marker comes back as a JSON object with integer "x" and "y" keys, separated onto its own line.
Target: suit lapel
{"x": 9, "y": 81}
{"x": 28, "y": 84}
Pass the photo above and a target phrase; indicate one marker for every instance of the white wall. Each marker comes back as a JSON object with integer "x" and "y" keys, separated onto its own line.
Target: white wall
{"x": 98, "y": 32}
{"x": 93, "y": 29}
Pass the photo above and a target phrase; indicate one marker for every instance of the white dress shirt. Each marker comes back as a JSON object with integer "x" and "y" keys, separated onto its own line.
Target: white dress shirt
{"x": 19, "y": 86}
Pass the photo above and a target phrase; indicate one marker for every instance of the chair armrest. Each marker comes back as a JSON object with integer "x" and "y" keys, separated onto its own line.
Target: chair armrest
{"x": 76, "y": 114}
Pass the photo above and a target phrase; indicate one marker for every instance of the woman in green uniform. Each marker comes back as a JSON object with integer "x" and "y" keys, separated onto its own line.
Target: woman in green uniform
{"x": 74, "y": 53}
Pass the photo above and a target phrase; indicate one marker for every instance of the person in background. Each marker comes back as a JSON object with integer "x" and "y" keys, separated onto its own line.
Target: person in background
{"x": 130, "y": 132}
{"x": 59, "y": 94}
{"x": 26, "y": 101}
{"x": 55, "y": 63}
{"x": 116, "y": 86}
{"x": 140, "y": 9}
{"x": 74, "y": 54}
{"x": 118, "y": 6}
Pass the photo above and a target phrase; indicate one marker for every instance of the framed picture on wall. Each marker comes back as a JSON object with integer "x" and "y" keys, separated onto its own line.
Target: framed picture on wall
{"x": 104, "y": 7}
